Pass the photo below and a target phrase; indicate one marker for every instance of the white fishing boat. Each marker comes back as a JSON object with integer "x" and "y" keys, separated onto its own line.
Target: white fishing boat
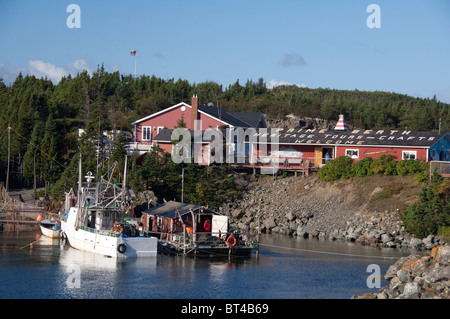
{"x": 51, "y": 229}
{"x": 96, "y": 223}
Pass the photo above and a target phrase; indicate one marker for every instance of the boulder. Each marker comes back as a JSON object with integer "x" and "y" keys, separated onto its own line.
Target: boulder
{"x": 270, "y": 223}
{"x": 386, "y": 238}
{"x": 415, "y": 243}
{"x": 289, "y": 216}
{"x": 410, "y": 289}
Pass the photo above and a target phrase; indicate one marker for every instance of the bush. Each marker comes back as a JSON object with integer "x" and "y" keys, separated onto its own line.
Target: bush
{"x": 431, "y": 213}
{"x": 363, "y": 167}
{"x": 343, "y": 167}
{"x": 409, "y": 167}
{"x": 384, "y": 164}
{"x": 339, "y": 168}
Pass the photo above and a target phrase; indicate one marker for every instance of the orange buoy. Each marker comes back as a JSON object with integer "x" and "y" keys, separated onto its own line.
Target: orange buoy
{"x": 189, "y": 230}
{"x": 39, "y": 218}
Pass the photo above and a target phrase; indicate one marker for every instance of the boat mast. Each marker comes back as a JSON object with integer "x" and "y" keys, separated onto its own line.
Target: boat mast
{"x": 125, "y": 174}
{"x": 79, "y": 182}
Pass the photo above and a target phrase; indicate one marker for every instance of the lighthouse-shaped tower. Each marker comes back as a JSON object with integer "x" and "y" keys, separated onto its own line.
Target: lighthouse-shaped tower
{"x": 341, "y": 125}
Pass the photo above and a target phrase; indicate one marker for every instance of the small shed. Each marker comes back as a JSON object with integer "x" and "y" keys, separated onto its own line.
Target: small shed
{"x": 175, "y": 218}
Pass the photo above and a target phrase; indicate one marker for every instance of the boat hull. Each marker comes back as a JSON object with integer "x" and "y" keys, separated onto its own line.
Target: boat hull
{"x": 100, "y": 242}
{"x": 50, "y": 232}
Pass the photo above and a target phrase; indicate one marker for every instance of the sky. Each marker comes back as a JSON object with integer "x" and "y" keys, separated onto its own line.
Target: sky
{"x": 401, "y": 46}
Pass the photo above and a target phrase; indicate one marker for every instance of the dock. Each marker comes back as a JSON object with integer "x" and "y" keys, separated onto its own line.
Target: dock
{"x": 14, "y": 213}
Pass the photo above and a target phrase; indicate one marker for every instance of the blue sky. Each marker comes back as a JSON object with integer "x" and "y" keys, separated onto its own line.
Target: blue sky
{"x": 312, "y": 43}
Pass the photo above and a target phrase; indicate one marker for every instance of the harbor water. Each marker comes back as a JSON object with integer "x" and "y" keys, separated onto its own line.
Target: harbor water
{"x": 35, "y": 267}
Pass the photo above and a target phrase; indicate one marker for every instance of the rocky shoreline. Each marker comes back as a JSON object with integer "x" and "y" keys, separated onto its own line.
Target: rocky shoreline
{"x": 346, "y": 210}
{"x": 308, "y": 207}
{"x": 417, "y": 277}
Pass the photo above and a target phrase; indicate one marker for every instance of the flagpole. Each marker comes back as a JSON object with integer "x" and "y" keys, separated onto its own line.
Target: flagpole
{"x": 134, "y": 53}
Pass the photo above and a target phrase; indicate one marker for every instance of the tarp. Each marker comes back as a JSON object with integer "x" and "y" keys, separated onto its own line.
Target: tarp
{"x": 170, "y": 208}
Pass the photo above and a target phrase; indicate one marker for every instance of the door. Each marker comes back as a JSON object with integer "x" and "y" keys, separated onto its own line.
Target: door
{"x": 318, "y": 154}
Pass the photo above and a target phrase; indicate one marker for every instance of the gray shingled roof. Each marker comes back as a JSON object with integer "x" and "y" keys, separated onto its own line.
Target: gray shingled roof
{"x": 237, "y": 119}
{"x": 302, "y": 136}
{"x": 356, "y": 137}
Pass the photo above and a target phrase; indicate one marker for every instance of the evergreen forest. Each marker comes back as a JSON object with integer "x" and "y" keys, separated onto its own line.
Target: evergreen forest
{"x": 40, "y": 120}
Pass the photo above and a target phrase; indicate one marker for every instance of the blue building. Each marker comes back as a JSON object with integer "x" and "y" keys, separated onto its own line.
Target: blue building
{"x": 440, "y": 151}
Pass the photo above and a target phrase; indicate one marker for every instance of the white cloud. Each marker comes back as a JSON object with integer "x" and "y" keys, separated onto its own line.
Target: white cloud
{"x": 273, "y": 83}
{"x": 40, "y": 69}
{"x": 80, "y": 65}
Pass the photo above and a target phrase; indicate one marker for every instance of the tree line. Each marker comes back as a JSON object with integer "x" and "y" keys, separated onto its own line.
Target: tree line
{"x": 44, "y": 118}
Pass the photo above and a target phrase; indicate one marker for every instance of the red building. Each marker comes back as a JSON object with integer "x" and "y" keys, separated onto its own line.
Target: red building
{"x": 304, "y": 149}
{"x": 200, "y": 116}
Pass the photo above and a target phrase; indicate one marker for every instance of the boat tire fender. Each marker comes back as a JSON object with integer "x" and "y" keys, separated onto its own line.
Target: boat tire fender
{"x": 122, "y": 248}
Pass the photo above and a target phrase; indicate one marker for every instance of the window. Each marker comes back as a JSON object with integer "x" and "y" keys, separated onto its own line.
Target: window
{"x": 146, "y": 133}
{"x": 352, "y": 153}
{"x": 409, "y": 155}
{"x": 159, "y": 129}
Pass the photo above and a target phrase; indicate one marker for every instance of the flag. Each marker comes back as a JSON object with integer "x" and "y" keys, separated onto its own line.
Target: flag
{"x": 133, "y": 52}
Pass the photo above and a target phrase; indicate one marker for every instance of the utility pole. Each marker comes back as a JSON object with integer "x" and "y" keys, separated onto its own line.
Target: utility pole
{"x": 9, "y": 155}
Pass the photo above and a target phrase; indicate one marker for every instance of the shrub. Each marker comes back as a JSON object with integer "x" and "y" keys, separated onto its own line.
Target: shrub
{"x": 384, "y": 164}
{"x": 431, "y": 213}
{"x": 339, "y": 168}
{"x": 363, "y": 167}
{"x": 409, "y": 167}
{"x": 424, "y": 174}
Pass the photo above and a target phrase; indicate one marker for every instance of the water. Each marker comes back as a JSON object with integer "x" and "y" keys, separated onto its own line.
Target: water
{"x": 302, "y": 270}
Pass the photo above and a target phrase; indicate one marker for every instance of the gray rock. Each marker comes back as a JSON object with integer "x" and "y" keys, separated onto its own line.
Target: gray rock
{"x": 386, "y": 238}
{"x": 403, "y": 275}
{"x": 289, "y": 216}
{"x": 415, "y": 243}
{"x": 391, "y": 244}
{"x": 270, "y": 223}
{"x": 437, "y": 274}
{"x": 410, "y": 289}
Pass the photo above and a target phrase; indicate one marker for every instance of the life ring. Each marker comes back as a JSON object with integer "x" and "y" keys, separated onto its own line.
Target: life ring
{"x": 207, "y": 225}
{"x": 122, "y": 248}
{"x": 231, "y": 244}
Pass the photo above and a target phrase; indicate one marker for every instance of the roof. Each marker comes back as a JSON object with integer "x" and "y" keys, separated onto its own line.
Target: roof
{"x": 171, "y": 209}
{"x": 303, "y": 136}
{"x": 237, "y": 119}
{"x": 393, "y": 138}
{"x": 160, "y": 112}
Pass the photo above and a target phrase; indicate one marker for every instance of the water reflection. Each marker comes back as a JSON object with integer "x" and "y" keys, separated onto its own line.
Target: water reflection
{"x": 287, "y": 268}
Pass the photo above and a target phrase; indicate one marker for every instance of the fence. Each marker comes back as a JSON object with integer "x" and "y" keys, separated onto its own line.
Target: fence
{"x": 440, "y": 167}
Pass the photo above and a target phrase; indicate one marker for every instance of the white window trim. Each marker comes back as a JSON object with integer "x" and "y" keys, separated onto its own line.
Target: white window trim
{"x": 159, "y": 128}
{"x": 353, "y": 150}
{"x": 413, "y": 152}
{"x": 144, "y": 128}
